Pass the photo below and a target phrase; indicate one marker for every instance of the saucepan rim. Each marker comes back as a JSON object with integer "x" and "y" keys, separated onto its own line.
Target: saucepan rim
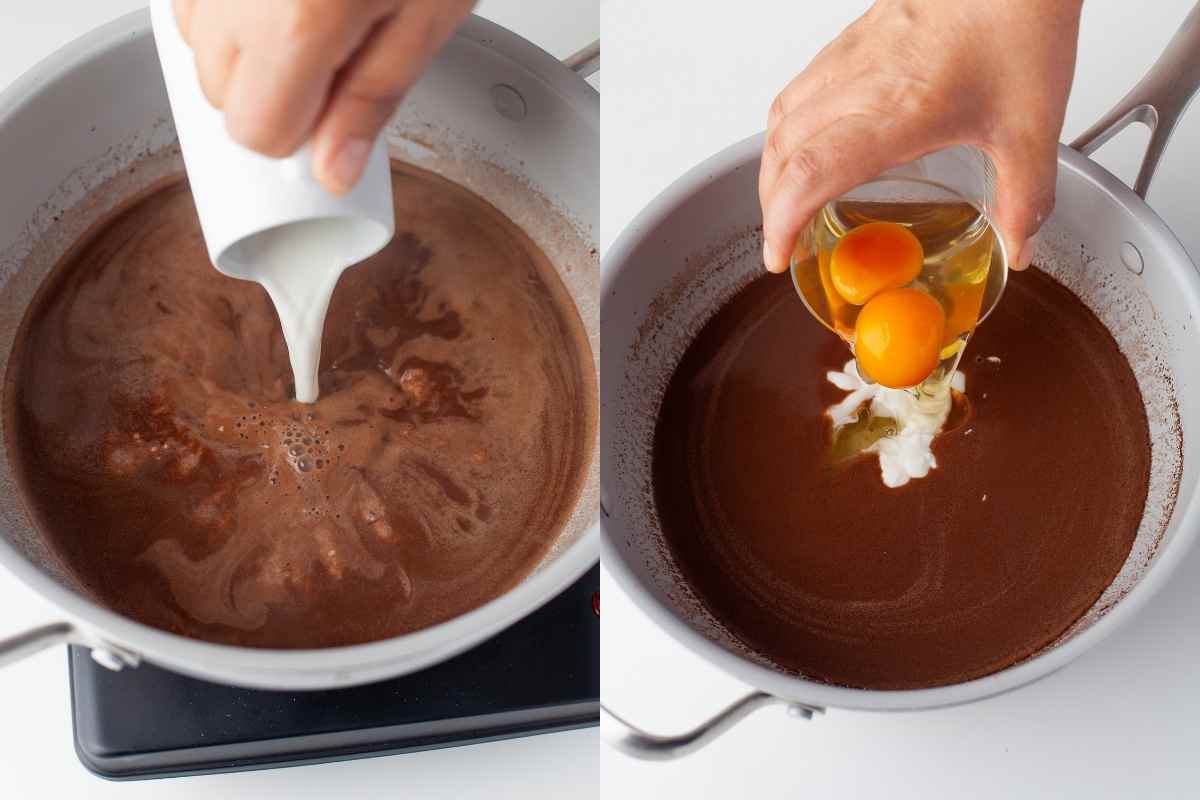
{"x": 310, "y": 668}
{"x": 744, "y": 155}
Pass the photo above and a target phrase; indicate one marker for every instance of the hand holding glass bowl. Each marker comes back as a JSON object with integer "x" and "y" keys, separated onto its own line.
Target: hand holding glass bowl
{"x": 905, "y": 266}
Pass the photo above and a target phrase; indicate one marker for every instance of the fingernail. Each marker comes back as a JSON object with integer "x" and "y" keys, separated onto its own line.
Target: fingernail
{"x": 347, "y": 165}
{"x": 1026, "y": 255}
{"x": 768, "y": 257}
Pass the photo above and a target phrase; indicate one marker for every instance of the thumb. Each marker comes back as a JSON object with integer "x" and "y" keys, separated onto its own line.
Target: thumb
{"x": 1026, "y": 178}
{"x": 370, "y": 87}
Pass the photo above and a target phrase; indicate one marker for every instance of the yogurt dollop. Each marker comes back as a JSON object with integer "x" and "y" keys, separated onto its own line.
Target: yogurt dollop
{"x": 908, "y": 453}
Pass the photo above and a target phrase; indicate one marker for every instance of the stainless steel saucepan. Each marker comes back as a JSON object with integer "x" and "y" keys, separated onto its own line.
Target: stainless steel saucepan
{"x": 90, "y": 125}
{"x": 697, "y": 244}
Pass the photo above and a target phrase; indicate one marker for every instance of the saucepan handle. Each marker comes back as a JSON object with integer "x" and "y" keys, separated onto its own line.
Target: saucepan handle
{"x": 586, "y": 62}
{"x": 634, "y": 741}
{"x": 25, "y": 644}
{"x": 34, "y": 640}
{"x": 1158, "y": 101}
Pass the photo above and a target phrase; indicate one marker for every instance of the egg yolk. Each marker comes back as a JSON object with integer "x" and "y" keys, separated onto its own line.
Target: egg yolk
{"x": 965, "y": 301}
{"x": 898, "y": 337}
{"x": 874, "y": 257}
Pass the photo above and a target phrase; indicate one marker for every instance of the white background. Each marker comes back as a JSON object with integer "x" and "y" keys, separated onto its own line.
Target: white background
{"x": 681, "y": 84}
{"x": 36, "y": 754}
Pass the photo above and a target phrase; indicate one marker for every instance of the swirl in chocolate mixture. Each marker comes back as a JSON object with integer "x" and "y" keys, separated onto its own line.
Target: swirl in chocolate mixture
{"x": 157, "y": 447}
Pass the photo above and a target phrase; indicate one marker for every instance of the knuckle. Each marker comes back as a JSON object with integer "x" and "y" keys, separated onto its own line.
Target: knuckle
{"x": 376, "y": 88}
{"x": 911, "y": 98}
{"x": 255, "y": 135}
{"x": 425, "y": 27}
{"x": 776, "y": 112}
{"x": 307, "y": 21}
{"x": 776, "y": 146}
{"x": 916, "y": 103}
{"x": 804, "y": 167}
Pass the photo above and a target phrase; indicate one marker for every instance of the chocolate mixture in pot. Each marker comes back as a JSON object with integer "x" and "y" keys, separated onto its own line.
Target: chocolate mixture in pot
{"x": 1027, "y": 519}
{"x": 150, "y": 423}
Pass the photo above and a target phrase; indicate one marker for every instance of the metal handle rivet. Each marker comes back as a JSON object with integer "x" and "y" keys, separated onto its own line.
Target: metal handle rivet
{"x": 1131, "y": 257}
{"x": 107, "y": 659}
{"x": 508, "y": 102}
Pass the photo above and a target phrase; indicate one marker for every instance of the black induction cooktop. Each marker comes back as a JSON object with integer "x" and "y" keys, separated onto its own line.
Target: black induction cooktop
{"x": 540, "y": 675}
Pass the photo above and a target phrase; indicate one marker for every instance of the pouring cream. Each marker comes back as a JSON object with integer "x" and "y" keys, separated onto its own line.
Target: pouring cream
{"x": 268, "y": 220}
{"x": 299, "y": 266}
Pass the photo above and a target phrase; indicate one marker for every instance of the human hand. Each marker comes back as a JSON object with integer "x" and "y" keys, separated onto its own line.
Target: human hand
{"x": 333, "y": 71}
{"x": 913, "y": 76}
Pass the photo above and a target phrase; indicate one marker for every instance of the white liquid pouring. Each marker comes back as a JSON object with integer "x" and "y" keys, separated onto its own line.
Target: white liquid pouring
{"x": 299, "y": 266}
{"x": 268, "y": 220}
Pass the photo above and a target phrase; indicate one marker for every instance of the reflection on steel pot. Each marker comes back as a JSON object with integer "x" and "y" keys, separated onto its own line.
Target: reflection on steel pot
{"x": 91, "y": 126}
{"x": 1103, "y": 242}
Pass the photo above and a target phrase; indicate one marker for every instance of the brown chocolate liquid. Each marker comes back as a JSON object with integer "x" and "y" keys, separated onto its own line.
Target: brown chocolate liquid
{"x": 149, "y": 411}
{"x": 829, "y": 574}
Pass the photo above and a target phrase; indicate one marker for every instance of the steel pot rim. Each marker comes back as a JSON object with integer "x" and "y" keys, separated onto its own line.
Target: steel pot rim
{"x": 744, "y": 155}
{"x": 307, "y": 668}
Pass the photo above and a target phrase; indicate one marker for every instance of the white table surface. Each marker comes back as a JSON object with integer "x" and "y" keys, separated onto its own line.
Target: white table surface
{"x": 1122, "y": 721}
{"x": 36, "y": 752}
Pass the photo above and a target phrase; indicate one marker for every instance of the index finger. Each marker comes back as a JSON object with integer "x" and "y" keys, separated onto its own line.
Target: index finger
{"x": 843, "y": 155}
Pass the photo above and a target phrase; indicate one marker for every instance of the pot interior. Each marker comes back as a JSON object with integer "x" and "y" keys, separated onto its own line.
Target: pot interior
{"x": 95, "y": 129}
{"x": 700, "y": 244}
